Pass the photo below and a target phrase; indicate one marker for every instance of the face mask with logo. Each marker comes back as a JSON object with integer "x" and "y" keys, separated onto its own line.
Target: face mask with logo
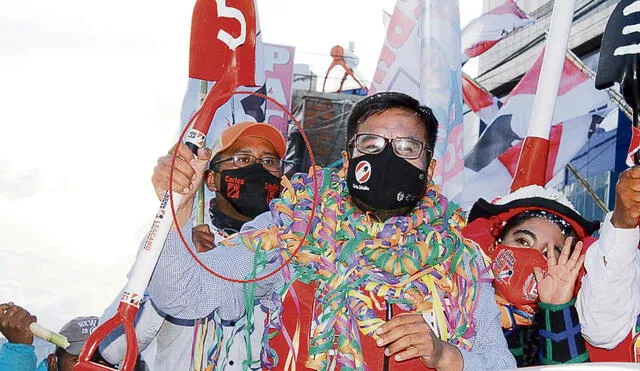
{"x": 249, "y": 189}
{"x": 385, "y": 181}
{"x": 513, "y": 273}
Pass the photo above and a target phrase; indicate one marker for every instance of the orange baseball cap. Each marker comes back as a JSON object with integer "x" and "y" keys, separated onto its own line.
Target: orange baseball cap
{"x": 254, "y": 129}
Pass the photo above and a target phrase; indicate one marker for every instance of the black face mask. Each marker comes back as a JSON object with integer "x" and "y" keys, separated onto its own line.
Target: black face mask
{"x": 385, "y": 181}
{"x": 249, "y": 189}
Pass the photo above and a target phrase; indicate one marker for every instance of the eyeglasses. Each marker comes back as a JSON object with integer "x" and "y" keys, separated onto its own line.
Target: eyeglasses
{"x": 270, "y": 163}
{"x": 407, "y": 148}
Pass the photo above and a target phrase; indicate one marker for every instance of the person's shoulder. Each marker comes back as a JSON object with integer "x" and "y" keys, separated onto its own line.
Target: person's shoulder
{"x": 261, "y": 221}
{"x": 7, "y": 348}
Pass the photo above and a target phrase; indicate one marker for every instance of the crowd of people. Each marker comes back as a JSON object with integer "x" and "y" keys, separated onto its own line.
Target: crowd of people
{"x": 375, "y": 268}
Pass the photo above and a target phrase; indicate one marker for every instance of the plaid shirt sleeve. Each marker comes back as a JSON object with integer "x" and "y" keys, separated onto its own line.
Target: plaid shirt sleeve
{"x": 490, "y": 350}
{"x": 181, "y": 287}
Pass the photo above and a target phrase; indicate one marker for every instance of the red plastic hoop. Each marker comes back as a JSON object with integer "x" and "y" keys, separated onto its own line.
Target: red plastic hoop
{"x": 315, "y": 189}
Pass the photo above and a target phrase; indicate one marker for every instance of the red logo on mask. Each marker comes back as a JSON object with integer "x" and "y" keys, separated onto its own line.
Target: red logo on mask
{"x": 272, "y": 191}
{"x": 363, "y": 172}
{"x": 233, "y": 186}
{"x": 513, "y": 271}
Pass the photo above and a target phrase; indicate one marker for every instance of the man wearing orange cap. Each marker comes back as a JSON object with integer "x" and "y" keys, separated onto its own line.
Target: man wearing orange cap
{"x": 245, "y": 176}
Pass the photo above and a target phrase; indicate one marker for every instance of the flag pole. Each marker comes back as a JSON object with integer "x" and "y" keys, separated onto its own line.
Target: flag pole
{"x": 204, "y": 85}
{"x": 587, "y": 187}
{"x": 202, "y": 324}
{"x": 532, "y": 164}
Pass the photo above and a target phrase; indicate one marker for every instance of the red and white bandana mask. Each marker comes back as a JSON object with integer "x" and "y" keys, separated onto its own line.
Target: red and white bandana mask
{"x": 514, "y": 279}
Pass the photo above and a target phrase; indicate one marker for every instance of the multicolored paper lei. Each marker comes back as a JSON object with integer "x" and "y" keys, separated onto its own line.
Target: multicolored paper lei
{"x": 419, "y": 261}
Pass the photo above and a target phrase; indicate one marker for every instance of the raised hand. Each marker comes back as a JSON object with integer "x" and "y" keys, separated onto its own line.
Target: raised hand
{"x": 627, "y": 208}
{"x": 556, "y": 285}
{"x": 202, "y": 238}
{"x": 14, "y": 324}
{"x": 187, "y": 176}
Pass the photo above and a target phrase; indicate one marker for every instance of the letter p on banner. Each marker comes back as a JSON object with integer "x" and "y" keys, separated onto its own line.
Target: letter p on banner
{"x": 217, "y": 28}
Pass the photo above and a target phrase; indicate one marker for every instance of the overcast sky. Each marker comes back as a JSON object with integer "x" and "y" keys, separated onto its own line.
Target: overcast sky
{"x": 90, "y": 96}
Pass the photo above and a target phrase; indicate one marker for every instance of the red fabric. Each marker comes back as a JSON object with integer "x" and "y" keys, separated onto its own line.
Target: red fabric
{"x": 474, "y": 96}
{"x": 208, "y": 55}
{"x": 484, "y": 232}
{"x": 479, "y": 48}
{"x": 572, "y": 76}
{"x": 617, "y": 354}
{"x": 373, "y": 355}
{"x": 290, "y": 316}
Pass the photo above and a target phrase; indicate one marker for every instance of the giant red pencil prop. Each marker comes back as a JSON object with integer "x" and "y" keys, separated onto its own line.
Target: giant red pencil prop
{"x": 532, "y": 164}
{"x": 223, "y": 36}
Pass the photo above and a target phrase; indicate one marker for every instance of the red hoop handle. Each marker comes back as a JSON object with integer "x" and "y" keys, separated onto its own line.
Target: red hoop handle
{"x": 125, "y": 315}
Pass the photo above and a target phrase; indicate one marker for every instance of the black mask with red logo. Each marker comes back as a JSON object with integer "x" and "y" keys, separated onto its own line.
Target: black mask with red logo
{"x": 385, "y": 181}
{"x": 249, "y": 189}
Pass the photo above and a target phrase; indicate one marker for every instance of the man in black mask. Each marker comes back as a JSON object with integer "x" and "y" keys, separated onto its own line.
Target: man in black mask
{"x": 381, "y": 236}
{"x": 389, "y": 155}
{"x": 245, "y": 176}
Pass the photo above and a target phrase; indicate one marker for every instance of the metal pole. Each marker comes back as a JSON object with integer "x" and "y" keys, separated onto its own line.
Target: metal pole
{"x": 201, "y": 331}
{"x": 636, "y": 124}
{"x": 535, "y": 147}
{"x": 587, "y": 187}
{"x": 201, "y": 201}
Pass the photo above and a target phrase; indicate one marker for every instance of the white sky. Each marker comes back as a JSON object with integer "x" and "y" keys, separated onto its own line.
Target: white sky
{"x": 90, "y": 97}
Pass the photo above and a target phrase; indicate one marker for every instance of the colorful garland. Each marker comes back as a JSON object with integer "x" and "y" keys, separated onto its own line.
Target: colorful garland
{"x": 420, "y": 262}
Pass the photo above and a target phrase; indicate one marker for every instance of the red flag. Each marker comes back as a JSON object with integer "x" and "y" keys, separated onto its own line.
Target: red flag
{"x": 490, "y": 165}
{"x": 565, "y": 141}
{"x": 577, "y": 96}
{"x": 481, "y": 102}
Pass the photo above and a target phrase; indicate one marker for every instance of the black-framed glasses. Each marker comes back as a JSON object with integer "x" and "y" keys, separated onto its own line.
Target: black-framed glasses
{"x": 407, "y": 148}
{"x": 270, "y": 163}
